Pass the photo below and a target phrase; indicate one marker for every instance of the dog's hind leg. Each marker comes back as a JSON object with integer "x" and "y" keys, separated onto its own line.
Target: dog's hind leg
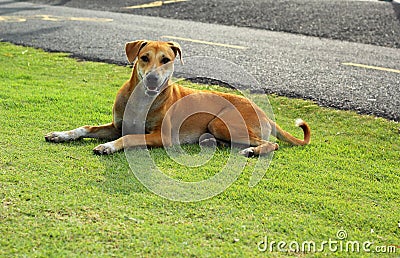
{"x": 240, "y": 135}
{"x": 264, "y": 148}
{"x": 107, "y": 131}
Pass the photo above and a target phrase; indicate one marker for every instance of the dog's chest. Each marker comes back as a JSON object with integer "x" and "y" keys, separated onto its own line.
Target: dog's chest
{"x": 137, "y": 110}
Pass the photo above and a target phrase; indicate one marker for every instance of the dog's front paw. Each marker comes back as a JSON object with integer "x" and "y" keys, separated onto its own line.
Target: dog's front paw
{"x": 248, "y": 152}
{"x": 105, "y": 149}
{"x": 58, "y": 137}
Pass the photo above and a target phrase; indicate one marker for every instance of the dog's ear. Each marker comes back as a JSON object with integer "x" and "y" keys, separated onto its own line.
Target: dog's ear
{"x": 133, "y": 48}
{"x": 177, "y": 49}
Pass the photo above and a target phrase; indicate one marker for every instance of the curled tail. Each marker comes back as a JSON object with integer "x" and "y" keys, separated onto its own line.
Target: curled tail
{"x": 287, "y": 137}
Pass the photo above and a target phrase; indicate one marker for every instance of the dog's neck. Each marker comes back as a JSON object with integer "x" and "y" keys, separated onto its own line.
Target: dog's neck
{"x": 141, "y": 105}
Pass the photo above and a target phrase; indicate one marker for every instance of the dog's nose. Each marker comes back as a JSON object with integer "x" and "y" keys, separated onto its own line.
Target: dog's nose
{"x": 152, "y": 79}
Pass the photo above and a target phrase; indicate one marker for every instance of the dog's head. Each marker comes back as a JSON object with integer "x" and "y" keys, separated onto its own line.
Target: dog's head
{"x": 154, "y": 62}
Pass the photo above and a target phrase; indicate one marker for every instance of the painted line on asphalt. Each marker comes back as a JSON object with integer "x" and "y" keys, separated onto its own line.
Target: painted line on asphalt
{"x": 372, "y": 67}
{"x": 52, "y": 18}
{"x": 154, "y": 4}
{"x": 205, "y": 42}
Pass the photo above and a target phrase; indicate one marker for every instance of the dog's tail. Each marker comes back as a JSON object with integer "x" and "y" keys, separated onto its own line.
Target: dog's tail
{"x": 287, "y": 137}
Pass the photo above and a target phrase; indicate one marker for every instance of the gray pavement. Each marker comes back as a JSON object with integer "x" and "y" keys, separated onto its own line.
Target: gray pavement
{"x": 364, "y": 21}
{"x": 283, "y": 63}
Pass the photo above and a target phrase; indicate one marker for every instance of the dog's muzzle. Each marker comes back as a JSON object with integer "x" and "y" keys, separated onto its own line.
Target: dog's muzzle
{"x": 154, "y": 83}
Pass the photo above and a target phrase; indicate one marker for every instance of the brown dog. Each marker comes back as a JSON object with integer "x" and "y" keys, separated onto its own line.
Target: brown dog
{"x": 227, "y": 117}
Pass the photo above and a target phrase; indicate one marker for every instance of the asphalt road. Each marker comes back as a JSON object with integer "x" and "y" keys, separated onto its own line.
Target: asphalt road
{"x": 370, "y": 22}
{"x": 287, "y": 64}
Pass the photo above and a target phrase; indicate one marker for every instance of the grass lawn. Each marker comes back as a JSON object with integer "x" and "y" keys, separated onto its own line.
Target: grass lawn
{"x": 61, "y": 200}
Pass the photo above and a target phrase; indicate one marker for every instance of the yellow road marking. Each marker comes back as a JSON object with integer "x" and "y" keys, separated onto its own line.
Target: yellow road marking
{"x": 90, "y": 19}
{"x": 149, "y": 5}
{"x": 12, "y": 19}
{"x": 155, "y": 4}
{"x": 373, "y": 67}
{"x": 205, "y": 42}
{"x": 45, "y": 17}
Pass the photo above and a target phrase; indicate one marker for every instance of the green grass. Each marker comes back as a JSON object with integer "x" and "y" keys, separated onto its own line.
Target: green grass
{"x": 60, "y": 200}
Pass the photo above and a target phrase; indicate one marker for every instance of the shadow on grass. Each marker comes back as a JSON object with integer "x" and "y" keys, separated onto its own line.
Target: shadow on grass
{"x": 118, "y": 177}
{"x": 114, "y": 175}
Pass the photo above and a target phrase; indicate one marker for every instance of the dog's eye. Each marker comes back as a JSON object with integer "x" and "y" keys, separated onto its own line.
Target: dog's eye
{"x": 145, "y": 59}
{"x": 165, "y": 60}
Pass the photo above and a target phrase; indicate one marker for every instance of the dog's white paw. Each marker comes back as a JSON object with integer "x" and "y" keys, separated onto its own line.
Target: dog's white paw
{"x": 105, "y": 149}
{"x": 66, "y": 136}
{"x": 248, "y": 152}
{"x": 207, "y": 140}
{"x": 59, "y": 137}
{"x": 208, "y": 143}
